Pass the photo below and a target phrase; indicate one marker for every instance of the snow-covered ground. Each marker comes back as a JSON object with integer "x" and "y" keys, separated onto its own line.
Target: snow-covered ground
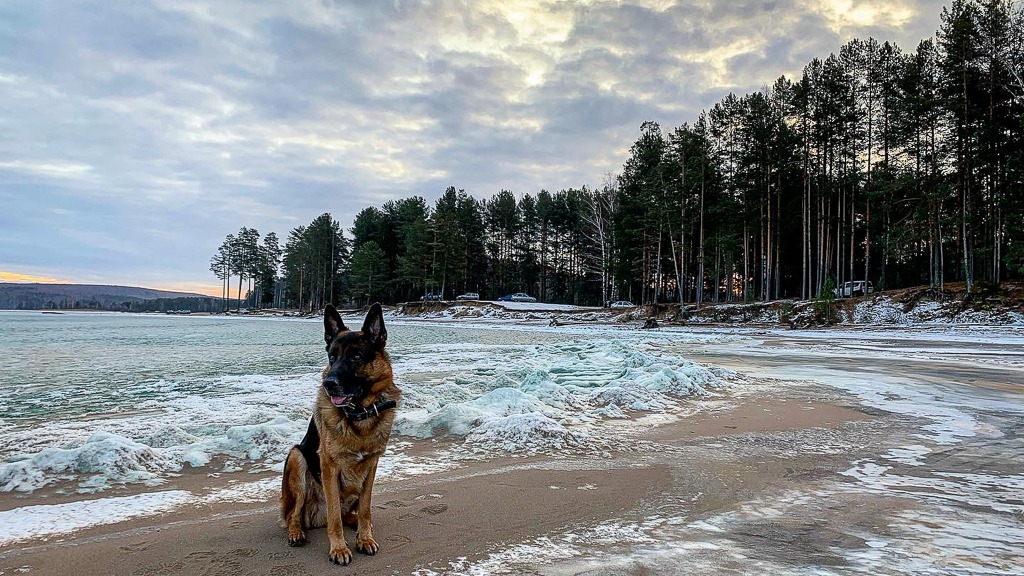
{"x": 882, "y": 310}
{"x": 518, "y": 306}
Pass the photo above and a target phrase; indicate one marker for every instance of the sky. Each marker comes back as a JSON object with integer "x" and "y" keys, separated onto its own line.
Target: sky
{"x": 136, "y": 134}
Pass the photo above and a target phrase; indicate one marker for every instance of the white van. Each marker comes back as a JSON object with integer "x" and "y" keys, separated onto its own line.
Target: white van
{"x": 857, "y": 288}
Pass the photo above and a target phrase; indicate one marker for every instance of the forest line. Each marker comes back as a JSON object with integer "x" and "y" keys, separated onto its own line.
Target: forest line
{"x": 897, "y": 167}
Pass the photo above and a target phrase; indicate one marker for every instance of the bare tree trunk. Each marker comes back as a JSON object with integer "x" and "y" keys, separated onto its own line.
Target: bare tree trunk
{"x": 718, "y": 269}
{"x": 657, "y": 274}
{"x": 746, "y": 261}
{"x": 700, "y": 249}
{"x": 822, "y": 244}
{"x": 966, "y": 189}
{"x": 853, "y": 230}
{"x": 776, "y": 267}
{"x": 766, "y": 240}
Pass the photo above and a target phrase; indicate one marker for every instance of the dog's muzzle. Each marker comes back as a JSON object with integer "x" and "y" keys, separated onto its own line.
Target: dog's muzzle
{"x": 333, "y": 389}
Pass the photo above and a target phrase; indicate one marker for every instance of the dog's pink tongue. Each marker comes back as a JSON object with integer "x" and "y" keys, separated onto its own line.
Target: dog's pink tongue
{"x": 339, "y": 400}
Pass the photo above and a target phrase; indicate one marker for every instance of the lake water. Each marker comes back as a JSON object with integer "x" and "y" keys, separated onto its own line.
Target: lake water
{"x": 94, "y": 400}
{"x": 75, "y": 365}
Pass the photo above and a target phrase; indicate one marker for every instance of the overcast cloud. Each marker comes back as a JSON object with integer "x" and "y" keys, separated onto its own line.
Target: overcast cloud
{"x": 134, "y": 135}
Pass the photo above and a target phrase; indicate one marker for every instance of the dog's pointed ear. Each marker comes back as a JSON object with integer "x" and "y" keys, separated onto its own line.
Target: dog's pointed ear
{"x": 333, "y": 324}
{"x": 373, "y": 327}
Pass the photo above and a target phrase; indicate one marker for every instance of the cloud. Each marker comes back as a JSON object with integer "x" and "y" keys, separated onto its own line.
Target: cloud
{"x": 856, "y": 15}
{"x": 53, "y": 169}
{"x": 138, "y": 134}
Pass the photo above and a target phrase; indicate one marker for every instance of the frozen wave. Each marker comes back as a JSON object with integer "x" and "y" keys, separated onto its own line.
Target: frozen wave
{"x": 537, "y": 397}
{"x": 510, "y": 397}
{"x": 253, "y": 421}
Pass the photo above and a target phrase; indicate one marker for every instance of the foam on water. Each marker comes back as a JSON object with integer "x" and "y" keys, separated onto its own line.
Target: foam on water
{"x": 998, "y": 492}
{"x": 547, "y": 395}
{"x": 930, "y": 538}
{"x": 252, "y": 422}
{"x": 948, "y": 422}
{"x": 102, "y": 456}
{"x": 497, "y": 397}
{"x": 654, "y": 544}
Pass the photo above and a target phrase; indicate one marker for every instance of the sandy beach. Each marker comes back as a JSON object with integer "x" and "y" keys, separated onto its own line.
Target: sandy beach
{"x": 461, "y": 516}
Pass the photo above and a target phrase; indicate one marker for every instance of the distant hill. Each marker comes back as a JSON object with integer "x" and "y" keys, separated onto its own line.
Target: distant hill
{"x": 16, "y": 296}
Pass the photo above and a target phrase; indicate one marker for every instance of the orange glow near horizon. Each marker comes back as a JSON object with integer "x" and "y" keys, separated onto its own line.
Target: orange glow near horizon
{"x": 197, "y": 287}
{"x": 29, "y": 278}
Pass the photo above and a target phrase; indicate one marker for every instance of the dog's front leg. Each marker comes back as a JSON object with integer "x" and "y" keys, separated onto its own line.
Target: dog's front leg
{"x": 339, "y": 554}
{"x": 364, "y": 520}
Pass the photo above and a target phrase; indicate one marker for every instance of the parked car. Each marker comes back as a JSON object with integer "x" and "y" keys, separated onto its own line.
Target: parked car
{"x": 622, "y": 304}
{"x": 505, "y": 298}
{"x": 521, "y": 297}
{"x": 431, "y": 297}
{"x": 857, "y": 288}
{"x": 468, "y": 296}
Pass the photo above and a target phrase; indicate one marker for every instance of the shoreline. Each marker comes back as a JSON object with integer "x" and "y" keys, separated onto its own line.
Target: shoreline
{"x": 481, "y": 505}
{"x": 1001, "y": 306}
{"x": 830, "y": 452}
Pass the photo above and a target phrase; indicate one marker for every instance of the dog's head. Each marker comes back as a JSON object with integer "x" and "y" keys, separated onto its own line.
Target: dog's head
{"x": 357, "y": 359}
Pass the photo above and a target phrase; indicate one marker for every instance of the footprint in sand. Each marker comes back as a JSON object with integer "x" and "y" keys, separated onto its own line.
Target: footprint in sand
{"x": 396, "y": 541}
{"x": 244, "y": 552}
{"x": 160, "y": 569}
{"x": 435, "y": 509}
{"x": 428, "y": 496}
{"x": 227, "y": 562}
{"x": 222, "y": 566}
{"x": 135, "y": 546}
{"x": 288, "y": 570}
{"x": 393, "y": 504}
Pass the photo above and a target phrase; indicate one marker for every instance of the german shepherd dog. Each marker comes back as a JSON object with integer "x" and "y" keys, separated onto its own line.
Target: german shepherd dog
{"x": 328, "y": 478}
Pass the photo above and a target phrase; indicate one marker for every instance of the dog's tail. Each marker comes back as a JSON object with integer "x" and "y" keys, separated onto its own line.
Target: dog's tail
{"x": 289, "y": 498}
{"x": 302, "y": 459}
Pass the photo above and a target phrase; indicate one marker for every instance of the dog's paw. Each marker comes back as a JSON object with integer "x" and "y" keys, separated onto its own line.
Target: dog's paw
{"x": 297, "y": 538}
{"x": 341, "y": 555}
{"x": 367, "y": 545}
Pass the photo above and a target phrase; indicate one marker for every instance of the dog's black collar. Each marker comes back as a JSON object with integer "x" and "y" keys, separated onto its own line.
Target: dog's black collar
{"x": 374, "y": 410}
